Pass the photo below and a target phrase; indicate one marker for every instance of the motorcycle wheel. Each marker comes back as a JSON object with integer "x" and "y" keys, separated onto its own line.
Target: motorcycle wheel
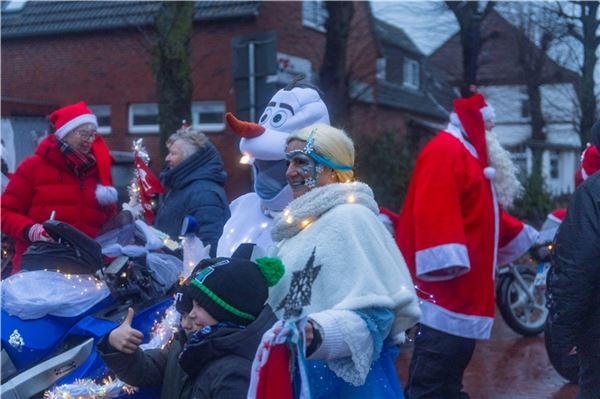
{"x": 565, "y": 365}
{"x": 522, "y": 315}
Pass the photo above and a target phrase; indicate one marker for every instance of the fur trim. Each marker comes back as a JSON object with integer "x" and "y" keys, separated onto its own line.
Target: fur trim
{"x": 488, "y": 113}
{"x": 106, "y": 195}
{"x": 508, "y": 187}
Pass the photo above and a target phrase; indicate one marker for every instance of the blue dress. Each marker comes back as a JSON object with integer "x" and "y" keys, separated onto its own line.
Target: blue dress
{"x": 382, "y": 380}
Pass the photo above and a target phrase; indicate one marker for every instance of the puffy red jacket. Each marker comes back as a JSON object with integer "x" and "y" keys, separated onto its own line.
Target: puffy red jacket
{"x": 43, "y": 183}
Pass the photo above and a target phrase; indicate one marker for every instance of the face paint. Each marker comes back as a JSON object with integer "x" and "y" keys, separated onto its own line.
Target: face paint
{"x": 306, "y": 170}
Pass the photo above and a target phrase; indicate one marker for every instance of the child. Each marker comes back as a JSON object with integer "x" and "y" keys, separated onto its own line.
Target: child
{"x": 223, "y": 319}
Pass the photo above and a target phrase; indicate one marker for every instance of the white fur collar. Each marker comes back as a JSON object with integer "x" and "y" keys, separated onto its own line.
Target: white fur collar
{"x": 306, "y": 209}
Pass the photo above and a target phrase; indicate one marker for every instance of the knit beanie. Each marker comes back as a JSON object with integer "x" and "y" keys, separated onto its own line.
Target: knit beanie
{"x": 234, "y": 289}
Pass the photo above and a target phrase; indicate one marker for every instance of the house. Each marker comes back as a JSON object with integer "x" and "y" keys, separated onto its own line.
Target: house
{"x": 55, "y": 53}
{"x": 502, "y": 83}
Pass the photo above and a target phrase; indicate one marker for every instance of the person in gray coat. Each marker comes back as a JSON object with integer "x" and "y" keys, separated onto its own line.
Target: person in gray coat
{"x": 194, "y": 179}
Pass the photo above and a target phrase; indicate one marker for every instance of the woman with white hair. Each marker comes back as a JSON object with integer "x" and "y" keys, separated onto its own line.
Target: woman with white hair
{"x": 194, "y": 179}
{"x": 346, "y": 287}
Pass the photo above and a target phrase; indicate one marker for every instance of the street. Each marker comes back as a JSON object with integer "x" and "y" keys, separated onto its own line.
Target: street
{"x": 508, "y": 366}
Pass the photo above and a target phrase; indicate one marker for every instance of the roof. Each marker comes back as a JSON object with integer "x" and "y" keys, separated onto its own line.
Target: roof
{"x": 421, "y": 102}
{"x": 387, "y": 33}
{"x": 498, "y": 61}
{"x": 38, "y": 18}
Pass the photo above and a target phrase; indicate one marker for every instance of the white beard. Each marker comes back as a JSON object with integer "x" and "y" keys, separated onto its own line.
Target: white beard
{"x": 508, "y": 187}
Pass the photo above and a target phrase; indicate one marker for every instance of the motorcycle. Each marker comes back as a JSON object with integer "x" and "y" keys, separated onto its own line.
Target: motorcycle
{"x": 51, "y": 342}
{"x": 520, "y": 292}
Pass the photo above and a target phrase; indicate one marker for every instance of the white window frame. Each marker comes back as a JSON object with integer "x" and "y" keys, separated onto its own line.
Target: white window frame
{"x": 102, "y": 110}
{"x": 143, "y": 129}
{"x": 380, "y": 66}
{"x": 208, "y": 106}
{"x": 314, "y": 14}
{"x": 411, "y": 76}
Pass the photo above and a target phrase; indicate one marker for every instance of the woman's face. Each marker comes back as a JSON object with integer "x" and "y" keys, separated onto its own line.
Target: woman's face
{"x": 303, "y": 172}
{"x": 176, "y": 153}
{"x": 82, "y": 137}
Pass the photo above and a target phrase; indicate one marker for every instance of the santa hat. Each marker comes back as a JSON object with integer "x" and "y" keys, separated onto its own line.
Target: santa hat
{"x": 590, "y": 164}
{"x": 70, "y": 117}
{"x": 472, "y": 113}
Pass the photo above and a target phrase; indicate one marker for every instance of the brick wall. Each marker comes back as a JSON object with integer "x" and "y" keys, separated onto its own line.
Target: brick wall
{"x": 114, "y": 68}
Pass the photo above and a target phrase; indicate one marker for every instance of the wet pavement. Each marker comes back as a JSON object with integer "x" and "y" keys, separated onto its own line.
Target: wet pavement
{"x": 508, "y": 366}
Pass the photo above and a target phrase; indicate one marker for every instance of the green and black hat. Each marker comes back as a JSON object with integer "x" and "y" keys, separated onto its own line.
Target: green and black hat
{"x": 234, "y": 289}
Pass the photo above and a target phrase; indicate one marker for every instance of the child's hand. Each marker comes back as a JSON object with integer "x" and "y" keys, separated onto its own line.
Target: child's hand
{"x": 125, "y": 338}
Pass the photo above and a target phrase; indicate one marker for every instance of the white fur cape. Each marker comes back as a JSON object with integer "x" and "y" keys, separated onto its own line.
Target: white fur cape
{"x": 361, "y": 266}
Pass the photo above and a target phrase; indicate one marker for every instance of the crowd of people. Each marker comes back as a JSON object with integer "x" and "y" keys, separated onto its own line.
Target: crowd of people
{"x": 310, "y": 295}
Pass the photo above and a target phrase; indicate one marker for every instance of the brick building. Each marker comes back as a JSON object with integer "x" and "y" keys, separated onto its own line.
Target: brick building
{"x": 55, "y": 53}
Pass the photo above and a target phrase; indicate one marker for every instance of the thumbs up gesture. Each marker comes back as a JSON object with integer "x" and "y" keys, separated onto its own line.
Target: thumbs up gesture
{"x": 125, "y": 338}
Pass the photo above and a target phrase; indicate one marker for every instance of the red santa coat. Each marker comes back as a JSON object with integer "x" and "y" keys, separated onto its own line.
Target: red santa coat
{"x": 43, "y": 183}
{"x": 449, "y": 231}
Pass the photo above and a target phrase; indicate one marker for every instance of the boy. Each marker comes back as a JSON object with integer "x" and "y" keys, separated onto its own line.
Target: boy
{"x": 223, "y": 320}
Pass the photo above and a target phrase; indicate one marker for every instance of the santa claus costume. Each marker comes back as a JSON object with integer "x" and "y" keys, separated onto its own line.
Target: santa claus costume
{"x": 60, "y": 181}
{"x": 452, "y": 233}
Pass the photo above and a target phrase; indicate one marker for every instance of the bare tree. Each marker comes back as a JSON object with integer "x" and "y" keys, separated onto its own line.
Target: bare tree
{"x": 469, "y": 15}
{"x": 333, "y": 72}
{"x": 172, "y": 66}
{"x": 538, "y": 32}
{"x": 583, "y": 26}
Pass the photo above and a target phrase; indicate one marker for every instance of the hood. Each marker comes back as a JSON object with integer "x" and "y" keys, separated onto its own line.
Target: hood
{"x": 227, "y": 342}
{"x": 205, "y": 164}
{"x": 48, "y": 149}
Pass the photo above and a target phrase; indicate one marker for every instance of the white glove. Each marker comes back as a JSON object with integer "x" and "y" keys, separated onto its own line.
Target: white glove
{"x": 37, "y": 233}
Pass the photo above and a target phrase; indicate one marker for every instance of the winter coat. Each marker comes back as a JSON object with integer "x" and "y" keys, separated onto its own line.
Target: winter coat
{"x": 195, "y": 187}
{"x": 43, "y": 183}
{"x": 574, "y": 285}
{"x": 220, "y": 364}
{"x": 150, "y": 368}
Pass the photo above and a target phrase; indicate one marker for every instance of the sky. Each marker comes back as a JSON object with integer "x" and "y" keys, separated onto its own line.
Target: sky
{"x": 428, "y": 23}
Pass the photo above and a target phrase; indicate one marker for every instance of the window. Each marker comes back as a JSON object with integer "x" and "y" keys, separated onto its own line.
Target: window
{"x": 102, "y": 113}
{"x": 314, "y": 14}
{"x": 411, "y": 73}
{"x": 208, "y": 116}
{"x": 554, "y": 162}
{"x": 143, "y": 118}
{"x": 380, "y": 68}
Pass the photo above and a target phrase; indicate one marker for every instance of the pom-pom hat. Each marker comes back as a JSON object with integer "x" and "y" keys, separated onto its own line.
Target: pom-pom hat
{"x": 70, "y": 117}
{"x": 233, "y": 289}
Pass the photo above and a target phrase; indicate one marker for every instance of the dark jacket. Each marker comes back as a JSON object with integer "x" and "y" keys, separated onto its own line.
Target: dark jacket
{"x": 220, "y": 364}
{"x": 150, "y": 368}
{"x": 574, "y": 285}
{"x": 195, "y": 187}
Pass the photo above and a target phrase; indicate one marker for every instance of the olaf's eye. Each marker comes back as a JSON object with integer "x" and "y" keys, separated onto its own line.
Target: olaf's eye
{"x": 265, "y": 116}
{"x": 279, "y": 118}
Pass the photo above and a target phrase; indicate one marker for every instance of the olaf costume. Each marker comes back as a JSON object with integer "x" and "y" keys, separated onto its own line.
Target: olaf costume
{"x": 291, "y": 108}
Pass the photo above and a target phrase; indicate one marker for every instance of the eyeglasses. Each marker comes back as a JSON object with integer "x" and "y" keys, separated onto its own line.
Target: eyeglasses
{"x": 86, "y": 134}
